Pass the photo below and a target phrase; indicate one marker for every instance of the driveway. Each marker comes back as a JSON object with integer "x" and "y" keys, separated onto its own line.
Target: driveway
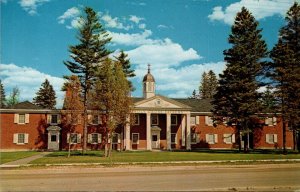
{"x": 270, "y": 177}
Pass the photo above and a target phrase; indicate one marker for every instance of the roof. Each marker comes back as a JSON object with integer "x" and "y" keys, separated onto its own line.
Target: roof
{"x": 197, "y": 105}
{"x": 149, "y": 78}
{"x": 25, "y": 105}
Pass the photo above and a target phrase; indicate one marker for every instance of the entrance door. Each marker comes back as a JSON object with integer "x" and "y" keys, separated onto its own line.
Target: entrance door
{"x": 155, "y": 141}
{"x": 53, "y": 143}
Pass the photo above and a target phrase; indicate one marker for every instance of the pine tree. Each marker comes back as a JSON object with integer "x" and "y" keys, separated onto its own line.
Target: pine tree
{"x": 2, "y": 95}
{"x": 269, "y": 102}
{"x": 208, "y": 85}
{"x": 87, "y": 56}
{"x": 125, "y": 63}
{"x": 111, "y": 95}
{"x": 285, "y": 71}
{"x": 236, "y": 97}
{"x": 45, "y": 97}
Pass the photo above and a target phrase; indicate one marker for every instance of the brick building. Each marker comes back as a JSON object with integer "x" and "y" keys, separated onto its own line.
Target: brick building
{"x": 159, "y": 123}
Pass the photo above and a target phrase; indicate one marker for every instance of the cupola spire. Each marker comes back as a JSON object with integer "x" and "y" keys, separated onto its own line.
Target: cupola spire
{"x": 148, "y": 84}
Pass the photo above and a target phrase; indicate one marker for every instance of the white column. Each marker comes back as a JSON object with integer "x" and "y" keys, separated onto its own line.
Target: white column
{"x": 169, "y": 131}
{"x": 188, "y": 132}
{"x": 183, "y": 130}
{"x": 127, "y": 134}
{"x": 148, "y": 128}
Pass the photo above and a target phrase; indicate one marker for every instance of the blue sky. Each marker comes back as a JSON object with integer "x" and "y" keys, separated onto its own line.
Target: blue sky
{"x": 179, "y": 38}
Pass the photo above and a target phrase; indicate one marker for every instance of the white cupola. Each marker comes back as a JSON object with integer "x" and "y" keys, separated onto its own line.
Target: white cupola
{"x": 148, "y": 85}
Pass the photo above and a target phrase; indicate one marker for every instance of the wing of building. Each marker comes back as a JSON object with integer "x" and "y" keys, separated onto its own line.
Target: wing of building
{"x": 157, "y": 122}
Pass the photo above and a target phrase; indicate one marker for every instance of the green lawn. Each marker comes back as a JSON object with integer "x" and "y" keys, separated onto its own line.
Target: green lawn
{"x": 12, "y": 156}
{"x": 145, "y": 156}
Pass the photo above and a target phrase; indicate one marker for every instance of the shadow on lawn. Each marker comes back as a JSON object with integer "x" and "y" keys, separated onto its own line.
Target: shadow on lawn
{"x": 76, "y": 154}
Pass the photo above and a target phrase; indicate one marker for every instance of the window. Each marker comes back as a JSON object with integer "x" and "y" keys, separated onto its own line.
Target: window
{"x": 95, "y": 119}
{"x": 271, "y": 138}
{"x": 136, "y": 119}
{"x": 194, "y": 137}
{"x": 193, "y": 120}
{"x": 73, "y": 138}
{"x": 53, "y": 138}
{"x": 173, "y": 119}
{"x": 158, "y": 102}
{"x": 21, "y": 118}
{"x": 20, "y": 138}
{"x": 54, "y": 119}
{"x": 173, "y": 138}
{"x": 209, "y": 121}
{"x": 271, "y": 121}
{"x": 154, "y": 119}
{"x": 229, "y": 138}
{"x": 116, "y": 138}
{"x": 212, "y": 138}
{"x": 94, "y": 138}
{"x": 135, "y": 138}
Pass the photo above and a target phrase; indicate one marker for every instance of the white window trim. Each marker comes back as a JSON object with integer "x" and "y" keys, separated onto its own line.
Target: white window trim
{"x": 176, "y": 120}
{"x": 155, "y": 115}
{"x": 197, "y": 138}
{"x": 17, "y": 119}
{"x": 90, "y": 138}
{"x": 49, "y": 119}
{"x": 209, "y": 121}
{"x": 271, "y": 121}
{"x": 229, "y": 135}
{"x": 193, "y": 122}
{"x": 138, "y": 141}
{"x": 215, "y": 138}
{"x": 175, "y": 138}
{"x": 275, "y": 138}
{"x": 119, "y": 140}
{"x": 16, "y": 138}
{"x": 137, "y": 118}
{"x": 78, "y": 138}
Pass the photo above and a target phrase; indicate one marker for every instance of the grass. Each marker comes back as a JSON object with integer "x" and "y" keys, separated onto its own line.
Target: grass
{"x": 146, "y": 156}
{"x": 13, "y": 156}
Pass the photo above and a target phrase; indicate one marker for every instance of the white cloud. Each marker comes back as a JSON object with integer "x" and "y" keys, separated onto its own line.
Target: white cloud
{"x": 142, "y": 26}
{"x": 179, "y": 82}
{"x": 69, "y": 14}
{"x": 259, "y": 8}
{"x": 135, "y": 19}
{"x": 111, "y": 22}
{"x": 30, "y": 6}
{"x": 162, "y": 53}
{"x": 29, "y": 81}
{"x": 133, "y": 39}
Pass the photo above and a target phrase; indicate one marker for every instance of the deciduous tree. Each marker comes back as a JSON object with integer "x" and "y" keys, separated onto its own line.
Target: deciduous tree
{"x": 13, "y": 98}
{"x": 2, "y": 96}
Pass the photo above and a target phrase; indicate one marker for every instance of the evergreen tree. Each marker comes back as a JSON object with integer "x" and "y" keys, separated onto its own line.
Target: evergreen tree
{"x": 2, "y": 95}
{"x": 285, "y": 71}
{"x": 13, "y": 98}
{"x": 269, "y": 103}
{"x": 87, "y": 56}
{"x": 45, "y": 97}
{"x": 125, "y": 63}
{"x": 236, "y": 97}
{"x": 194, "y": 95}
{"x": 111, "y": 95}
{"x": 208, "y": 85}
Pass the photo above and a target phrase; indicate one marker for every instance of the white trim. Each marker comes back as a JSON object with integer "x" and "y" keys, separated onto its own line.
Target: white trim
{"x": 154, "y": 115}
{"x": 136, "y": 118}
{"x": 176, "y": 122}
{"x": 138, "y": 138}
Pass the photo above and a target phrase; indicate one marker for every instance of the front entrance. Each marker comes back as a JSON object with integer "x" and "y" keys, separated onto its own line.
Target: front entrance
{"x": 155, "y": 137}
{"x": 53, "y": 137}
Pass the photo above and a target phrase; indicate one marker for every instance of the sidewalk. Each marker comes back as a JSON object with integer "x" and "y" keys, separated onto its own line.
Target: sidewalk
{"x": 23, "y": 162}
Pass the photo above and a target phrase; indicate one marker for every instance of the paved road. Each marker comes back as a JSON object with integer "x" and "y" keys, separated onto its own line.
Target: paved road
{"x": 281, "y": 177}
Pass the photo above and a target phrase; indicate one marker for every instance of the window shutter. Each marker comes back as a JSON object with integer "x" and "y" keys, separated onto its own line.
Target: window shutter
{"x": 119, "y": 138}
{"x": 233, "y": 138}
{"x": 27, "y": 118}
{"x": 16, "y": 119}
{"x": 197, "y": 138}
{"x": 15, "y": 138}
{"x": 197, "y": 120}
{"x": 267, "y": 138}
{"x": 274, "y": 121}
{"x": 216, "y": 138}
{"x": 68, "y": 138}
{"x": 78, "y": 138}
{"x": 100, "y": 119}
{"x": 79, "y": 119}
{"x": 207, "y": 138}
{"x": 206, "y": 120}
{"x": 99, "y": 138}
{"x": 49, "y": 116}
{"x": 266, "y": 121}
{"x": 89, "y": 119}
{"x": 224, "y": 138}
{"x": 275, "y": 138}
{"x": 26, "y": 138}
{"x": 89, "y": 138}
{"x": 59, "y": 119}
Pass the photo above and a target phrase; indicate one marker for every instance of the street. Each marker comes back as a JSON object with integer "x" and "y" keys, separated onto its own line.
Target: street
{"x": 275, "y": 177}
